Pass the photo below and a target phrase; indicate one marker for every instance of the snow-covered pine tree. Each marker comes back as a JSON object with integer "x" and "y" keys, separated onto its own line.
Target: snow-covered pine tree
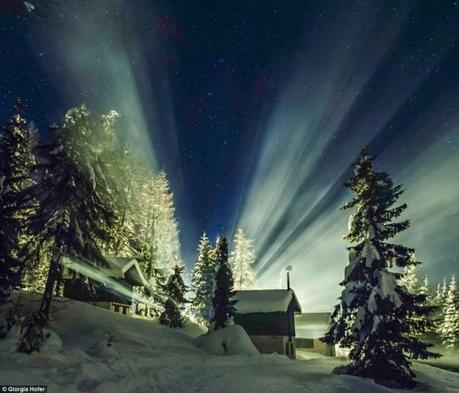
{"x": 410, "y": 279}
{"x": 450, "y": 325}
{"x": 16, "y": 166}
{"x": 128, "y": 173}
{"x": 203, "y": 281}
{"x": 147, "y": 228}
{"x": 223, "y": 305}
{"x": 373, "y": 316}
{"x": 424, "y": 288}
{"x": 75, "y": 214}
{"x": 175, "y": 289}
{"x": 439, "y": 302}
{"x": 166, "y": 229}
{"x": 442, "y": 293}
{"x": 241, "y": 259}
{"x": 9, "y": 265}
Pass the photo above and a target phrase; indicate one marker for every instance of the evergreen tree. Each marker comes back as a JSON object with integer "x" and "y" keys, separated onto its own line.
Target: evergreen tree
{"x": 441, "y": 294}
{"x": 166, "y": 230}
{"x": 9, "y": 265}
{"x": 147, "y": 228}
{"x": 424, "y": 289}
{"x": 129, "y": 173}
{"x": 439, "y": 301}
{"x": 223, "y": 305}
{"x": 410, "y": 279}
{"x": 241, "y": 259}
{"x": 203, "y": 281}
{"x": 16, "y": 165}
{"x": 175, "y": 289}
{"x": 373, "y": 317}
{"x": 75, "y": 214}
{"x": 450, "y": 327}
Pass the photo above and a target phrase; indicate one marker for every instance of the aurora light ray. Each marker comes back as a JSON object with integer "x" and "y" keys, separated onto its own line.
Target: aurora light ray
{"x": 313, "y": 134}
{"x": 112, "y": 68}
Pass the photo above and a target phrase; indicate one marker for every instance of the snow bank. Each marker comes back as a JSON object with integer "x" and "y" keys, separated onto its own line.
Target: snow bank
{"x": 97, "y": 351}
{"x": 232, "y": 340}
{"x": 263, "y": 300}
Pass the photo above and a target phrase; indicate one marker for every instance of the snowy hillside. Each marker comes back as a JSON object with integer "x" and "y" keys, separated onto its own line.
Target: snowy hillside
{"x": 94, "y": 350}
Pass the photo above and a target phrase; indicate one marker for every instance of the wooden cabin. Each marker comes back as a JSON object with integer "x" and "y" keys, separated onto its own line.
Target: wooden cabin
{"x": 112, "y": 287}
{"x": 268, "y": 318}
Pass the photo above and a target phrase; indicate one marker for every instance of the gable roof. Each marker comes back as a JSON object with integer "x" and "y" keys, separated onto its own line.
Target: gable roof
{"x": 117, "y": 267}
{"x": 122, "y": 267}
{"x": 265, "y": 301}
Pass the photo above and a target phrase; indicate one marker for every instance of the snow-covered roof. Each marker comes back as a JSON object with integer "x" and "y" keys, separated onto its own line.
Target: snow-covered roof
{"x": 265, "y": 300}
{"x": 117, "y": 267}
{"x": 121, "y": 267}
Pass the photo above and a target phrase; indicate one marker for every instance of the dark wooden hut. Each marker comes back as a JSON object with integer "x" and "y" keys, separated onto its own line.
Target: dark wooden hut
{"x": 268, "y": 318}
{"x": 111, "y": 287}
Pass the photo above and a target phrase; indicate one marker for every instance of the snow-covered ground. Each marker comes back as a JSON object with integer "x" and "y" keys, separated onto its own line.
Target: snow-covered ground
{"x": 448, "y": 361}
{"x": 147, "y": 357}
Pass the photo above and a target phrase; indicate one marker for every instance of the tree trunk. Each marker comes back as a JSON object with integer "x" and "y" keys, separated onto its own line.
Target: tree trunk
{"x": 53, "y": 274}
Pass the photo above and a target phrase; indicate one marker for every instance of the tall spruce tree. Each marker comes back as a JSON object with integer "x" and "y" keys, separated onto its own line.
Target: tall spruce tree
{"x": 439, "y": 301}
{"x": 442, "y": 292}
{"x": 147, "y": 228}
{"x": 373, "y": 317}
{"x": 223, "y": 305}
{"x": 128, "y": 173}
{"x": 175, "y": 290}
{"x": 449, "y": 329}
{"x": 410, "y": 278}
{"x": 203, "y": 281}
{"x": 16, "y": 247}
{"x": 424, "y": 288}
{"x": 167, "y": 241}
{"x": 75, "y": 214}
{"x": 241, "y": 259}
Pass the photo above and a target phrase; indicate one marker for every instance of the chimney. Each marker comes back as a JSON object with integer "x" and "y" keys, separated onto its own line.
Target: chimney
{"x": 288, "y": 269}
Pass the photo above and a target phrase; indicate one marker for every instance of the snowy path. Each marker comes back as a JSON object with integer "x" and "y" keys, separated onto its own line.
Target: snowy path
{"x": 145, "y": 357}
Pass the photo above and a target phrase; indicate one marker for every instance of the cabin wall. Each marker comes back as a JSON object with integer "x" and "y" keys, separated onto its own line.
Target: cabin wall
{"x": 270, "y": 332}
{"x": 275, "y": 344}
{"x": 291, "y": 320}
{"x": 264, "y": 324}
{"x": 77, "y": 289}
{"x": 269, "y": 344}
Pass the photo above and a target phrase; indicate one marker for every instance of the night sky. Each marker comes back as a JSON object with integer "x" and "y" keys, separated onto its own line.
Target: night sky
{"x": 256, "y": 110}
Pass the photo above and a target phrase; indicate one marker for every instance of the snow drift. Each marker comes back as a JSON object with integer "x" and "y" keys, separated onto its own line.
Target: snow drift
{"x": 232, "y": 340}
{"x": 97, "y": 351}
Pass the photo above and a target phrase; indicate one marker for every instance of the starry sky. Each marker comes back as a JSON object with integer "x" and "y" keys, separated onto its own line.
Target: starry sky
{"x": 257, "y": 109}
